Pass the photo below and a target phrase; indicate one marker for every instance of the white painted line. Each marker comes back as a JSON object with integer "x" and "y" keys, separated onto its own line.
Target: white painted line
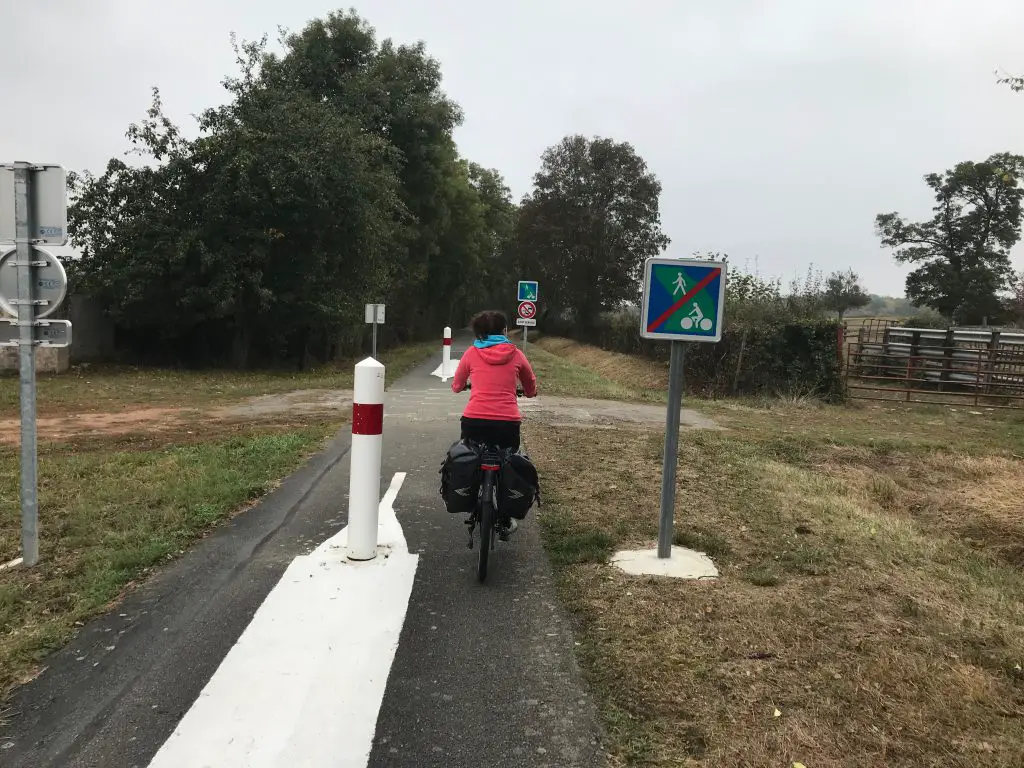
{"x": 12, "y": 564}
{"x": 304, "y": 683}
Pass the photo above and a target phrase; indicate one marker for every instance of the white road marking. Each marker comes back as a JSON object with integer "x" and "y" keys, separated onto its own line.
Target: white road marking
{"x": 303, "y": 685}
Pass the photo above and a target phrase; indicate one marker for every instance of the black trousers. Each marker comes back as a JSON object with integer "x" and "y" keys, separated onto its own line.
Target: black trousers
{"x": 503, "y": 434}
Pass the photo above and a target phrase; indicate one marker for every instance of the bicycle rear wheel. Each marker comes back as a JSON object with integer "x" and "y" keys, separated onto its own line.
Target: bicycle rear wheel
{"x": 486, "y": 538}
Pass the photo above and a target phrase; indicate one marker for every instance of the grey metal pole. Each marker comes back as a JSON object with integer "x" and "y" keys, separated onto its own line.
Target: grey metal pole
{"x": 374, "y": 333}
{"x": 525, "y": 332}
{"x": 27, "y": 364}
{"x": 668, "y": 468}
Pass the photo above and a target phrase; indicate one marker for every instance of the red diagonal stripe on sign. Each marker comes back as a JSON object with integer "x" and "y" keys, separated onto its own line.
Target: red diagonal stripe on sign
{"x": 686, "y": 297}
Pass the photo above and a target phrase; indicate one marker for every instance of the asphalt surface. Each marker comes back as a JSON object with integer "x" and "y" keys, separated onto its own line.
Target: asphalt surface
{"x": 484, "y": 676}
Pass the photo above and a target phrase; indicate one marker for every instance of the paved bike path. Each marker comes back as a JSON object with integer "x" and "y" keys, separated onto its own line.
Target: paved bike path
{"x": 485, "y": 675}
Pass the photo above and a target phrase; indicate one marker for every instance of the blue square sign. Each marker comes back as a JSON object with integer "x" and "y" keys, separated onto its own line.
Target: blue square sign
{"x": 684, "y": 299}
{"x": 528, "y": 290}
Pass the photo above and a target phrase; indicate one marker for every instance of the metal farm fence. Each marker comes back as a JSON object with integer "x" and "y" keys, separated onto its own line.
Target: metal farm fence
{"x": 980, "y": 367}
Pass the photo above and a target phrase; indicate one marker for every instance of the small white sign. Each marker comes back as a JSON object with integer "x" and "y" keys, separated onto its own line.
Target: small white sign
{"x": 529, "y": 323}
{"x": 375, "y": 314}
{"x": 48, "y": 199}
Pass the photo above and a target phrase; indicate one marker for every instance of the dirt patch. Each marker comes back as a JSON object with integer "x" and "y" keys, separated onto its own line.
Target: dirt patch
{"x": 605, "y": 414}
{"x": 301, "y": 403}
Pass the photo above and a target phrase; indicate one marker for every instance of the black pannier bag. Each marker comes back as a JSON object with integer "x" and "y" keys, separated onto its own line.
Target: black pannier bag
{"x": 460, "y": 476}
{"x": 518, "y": 486}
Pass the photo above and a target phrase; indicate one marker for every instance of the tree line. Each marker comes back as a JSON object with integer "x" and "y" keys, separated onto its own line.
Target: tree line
{"x": 330, "y": 179}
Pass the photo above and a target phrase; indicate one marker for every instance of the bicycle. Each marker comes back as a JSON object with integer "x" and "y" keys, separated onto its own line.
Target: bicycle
{"x": 485, "y": 512}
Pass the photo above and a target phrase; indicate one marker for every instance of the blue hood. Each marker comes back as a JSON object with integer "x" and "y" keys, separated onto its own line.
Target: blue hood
{"x": 491, "y": 341}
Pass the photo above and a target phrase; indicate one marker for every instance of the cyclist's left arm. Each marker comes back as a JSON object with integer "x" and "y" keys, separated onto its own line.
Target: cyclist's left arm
{"x": 526, "y": 375}
{"x": 461, "y": 373}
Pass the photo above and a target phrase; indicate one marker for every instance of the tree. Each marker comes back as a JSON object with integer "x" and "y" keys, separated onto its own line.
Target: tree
{"x": 589, "y": 224}
{"x": 843, "y": 292}
{"x": 330, "y": 178}
{"x": 964, "y": 250}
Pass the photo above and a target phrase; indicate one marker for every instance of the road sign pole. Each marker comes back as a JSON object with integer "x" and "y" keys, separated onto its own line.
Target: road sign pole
{"x": 374, "y": 354}
{"x": 668, "y": 470}
{"x": 27, "y": 364}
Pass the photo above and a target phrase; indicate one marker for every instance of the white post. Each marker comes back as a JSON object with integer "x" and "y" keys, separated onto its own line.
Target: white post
{"x": 446, "y": 355}
{"x": 364, "y": 475}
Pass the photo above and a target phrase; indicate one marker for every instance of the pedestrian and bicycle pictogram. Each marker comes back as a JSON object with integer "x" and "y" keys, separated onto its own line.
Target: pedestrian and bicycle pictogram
{"x": 529, "y": 290}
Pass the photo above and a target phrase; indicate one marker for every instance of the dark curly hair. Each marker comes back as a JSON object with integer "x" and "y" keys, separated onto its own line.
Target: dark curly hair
{"x": 489, "y": 323}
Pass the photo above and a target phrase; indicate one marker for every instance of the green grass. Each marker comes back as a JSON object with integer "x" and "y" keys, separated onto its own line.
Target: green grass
{"x": 112, "y": 388}
{"x": 561, "y": 376}
{"x": 107, "y": 516}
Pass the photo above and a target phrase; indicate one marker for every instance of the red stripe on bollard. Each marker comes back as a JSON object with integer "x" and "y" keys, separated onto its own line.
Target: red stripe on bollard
{"x": 447, "y": 342}
{"x": 367, "y": 418}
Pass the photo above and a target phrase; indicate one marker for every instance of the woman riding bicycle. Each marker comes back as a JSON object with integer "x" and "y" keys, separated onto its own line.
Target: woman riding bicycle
{"x": 494, "y": 365}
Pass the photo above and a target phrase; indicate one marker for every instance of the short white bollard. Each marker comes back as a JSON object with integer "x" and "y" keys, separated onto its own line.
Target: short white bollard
{"x": 446, "y": 355}
{"x": 364, "y": 474}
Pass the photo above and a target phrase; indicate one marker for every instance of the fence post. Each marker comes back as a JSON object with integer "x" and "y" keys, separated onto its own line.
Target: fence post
{"x": 993, "y": 359}
{"x": 364, "y": 473}
{"x": 947, "y": 357}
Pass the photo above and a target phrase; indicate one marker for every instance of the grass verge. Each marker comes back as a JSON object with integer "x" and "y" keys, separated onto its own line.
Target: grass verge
{"x": 869, "y": 610}
{"x": 568, "y": 369}
{"x": 113, "y": 510}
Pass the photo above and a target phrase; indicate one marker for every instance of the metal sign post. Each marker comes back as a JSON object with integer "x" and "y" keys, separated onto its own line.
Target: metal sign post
{"x": 683, "y": 301}
{"x": 27, "y": 364}
{"x": 375, "y": 317}
{"x": 33, "y": 209}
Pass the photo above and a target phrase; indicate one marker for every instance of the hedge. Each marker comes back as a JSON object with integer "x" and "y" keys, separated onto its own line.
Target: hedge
{"x": 794, "y": 358}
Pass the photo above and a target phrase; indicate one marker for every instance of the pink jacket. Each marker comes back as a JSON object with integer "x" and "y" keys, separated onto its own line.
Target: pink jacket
{"x": 494, "y": 371}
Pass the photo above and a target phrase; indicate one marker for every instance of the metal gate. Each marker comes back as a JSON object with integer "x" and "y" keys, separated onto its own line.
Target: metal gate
{"x": 980, "y": 367}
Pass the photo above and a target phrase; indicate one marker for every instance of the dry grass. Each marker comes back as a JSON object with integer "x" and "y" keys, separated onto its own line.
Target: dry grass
{"x": 850, "y": 601}
{"x": 871, "y": 589}
{"x": 635, "y": 373}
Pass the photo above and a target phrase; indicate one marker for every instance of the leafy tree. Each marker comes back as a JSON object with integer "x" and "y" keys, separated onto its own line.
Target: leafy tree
{"x": 843, "y": 292}
{"x": 964, "y": 250}
{"x": 329, "y": 179}
{"x": 589, "y": 224}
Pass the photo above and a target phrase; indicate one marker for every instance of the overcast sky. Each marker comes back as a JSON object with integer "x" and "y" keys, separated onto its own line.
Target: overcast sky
{"x": 778, "y": 128}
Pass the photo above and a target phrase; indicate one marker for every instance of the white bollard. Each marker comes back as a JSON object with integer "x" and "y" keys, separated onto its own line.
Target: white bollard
{"x": 364, "y": 475}
{"x": 446, "y": 355}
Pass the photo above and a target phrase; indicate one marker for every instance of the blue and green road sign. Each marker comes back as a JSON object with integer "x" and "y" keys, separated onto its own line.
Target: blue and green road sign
{"x": 528, "y": 290}
{"x": 683, "y": 300}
